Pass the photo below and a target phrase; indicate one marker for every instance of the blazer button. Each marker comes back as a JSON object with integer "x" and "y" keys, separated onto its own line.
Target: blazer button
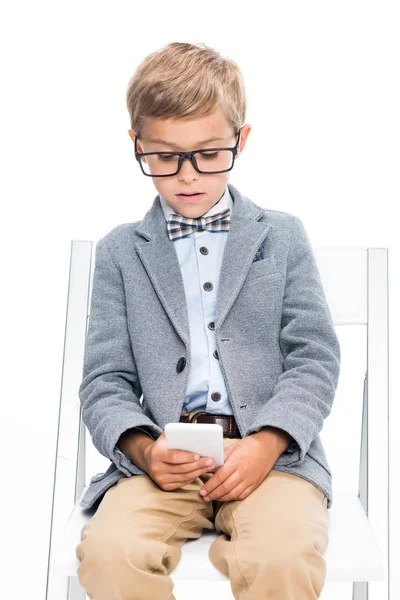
{"x": 180, "y": 365}
{"x": 204, "y": 250}
{"x": 215, "y": 353}
{"x": 215, "y": 396}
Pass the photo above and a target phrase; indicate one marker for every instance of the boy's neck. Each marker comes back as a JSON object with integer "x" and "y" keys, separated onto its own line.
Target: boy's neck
{"x": 224, "y": 202}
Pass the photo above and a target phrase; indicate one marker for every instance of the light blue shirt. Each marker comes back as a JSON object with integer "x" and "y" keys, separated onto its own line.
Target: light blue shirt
{"x": 206, "y": 389}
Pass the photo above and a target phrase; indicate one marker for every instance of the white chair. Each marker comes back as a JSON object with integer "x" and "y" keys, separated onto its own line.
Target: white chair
{"x": 355, "y": 283}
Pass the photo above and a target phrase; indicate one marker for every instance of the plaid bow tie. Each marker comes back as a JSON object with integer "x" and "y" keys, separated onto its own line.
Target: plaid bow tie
{"x": 179, "y": 226}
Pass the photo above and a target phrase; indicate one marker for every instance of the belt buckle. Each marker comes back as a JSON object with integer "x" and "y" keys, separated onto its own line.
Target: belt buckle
{"x": 193, "y": 416}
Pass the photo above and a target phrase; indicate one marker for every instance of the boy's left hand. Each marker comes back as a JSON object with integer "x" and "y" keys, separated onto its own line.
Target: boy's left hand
{"x": 246, "y": 464}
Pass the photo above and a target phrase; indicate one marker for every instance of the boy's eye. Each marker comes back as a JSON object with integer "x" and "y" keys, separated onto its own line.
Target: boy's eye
{"x": 168, "y": 157}
{"x": 209, "y": 154}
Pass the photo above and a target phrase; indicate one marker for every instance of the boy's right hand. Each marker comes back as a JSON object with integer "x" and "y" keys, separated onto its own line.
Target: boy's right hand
{"x": 172, "y": 469}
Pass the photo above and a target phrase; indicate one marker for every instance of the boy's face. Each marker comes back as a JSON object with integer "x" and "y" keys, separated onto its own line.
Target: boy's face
{"x": 182, "y": 135}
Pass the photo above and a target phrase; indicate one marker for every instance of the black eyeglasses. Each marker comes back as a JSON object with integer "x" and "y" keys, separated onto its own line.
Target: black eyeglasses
{"x": 166, "y": 164}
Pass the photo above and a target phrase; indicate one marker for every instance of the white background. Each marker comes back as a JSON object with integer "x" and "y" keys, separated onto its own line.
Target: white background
{"x": 322, "y": 81}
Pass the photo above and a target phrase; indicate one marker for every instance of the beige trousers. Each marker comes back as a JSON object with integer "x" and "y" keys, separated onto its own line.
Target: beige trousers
{"x": 271, "y": 544}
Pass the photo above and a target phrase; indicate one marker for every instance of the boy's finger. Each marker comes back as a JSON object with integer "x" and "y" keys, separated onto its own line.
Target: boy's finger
{"x": 216, "y": 480}
{"x": 176, "y": 457}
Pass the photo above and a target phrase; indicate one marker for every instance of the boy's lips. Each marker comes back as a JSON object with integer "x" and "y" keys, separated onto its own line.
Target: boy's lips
{"x": 188, "y": 193}
{"x": 190, "y": 197}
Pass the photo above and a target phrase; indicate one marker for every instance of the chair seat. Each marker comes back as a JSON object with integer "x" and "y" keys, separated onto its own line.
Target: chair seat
{"x": 352, "y": 553}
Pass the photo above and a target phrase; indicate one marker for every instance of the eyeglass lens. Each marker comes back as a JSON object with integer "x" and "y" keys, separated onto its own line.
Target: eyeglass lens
{"x": 207, "y": 162}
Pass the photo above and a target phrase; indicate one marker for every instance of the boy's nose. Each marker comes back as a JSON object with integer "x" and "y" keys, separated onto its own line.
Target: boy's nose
{"x": 187, "y": 167}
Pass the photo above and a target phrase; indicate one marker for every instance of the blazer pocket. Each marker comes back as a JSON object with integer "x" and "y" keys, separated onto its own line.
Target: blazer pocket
{"x": 321, "y": 460}
{"x": 264, "y": 268}
{"x": 99, "y": 484}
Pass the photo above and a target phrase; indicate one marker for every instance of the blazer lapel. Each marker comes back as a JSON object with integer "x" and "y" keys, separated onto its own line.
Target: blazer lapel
{"x": 159, "y": 257}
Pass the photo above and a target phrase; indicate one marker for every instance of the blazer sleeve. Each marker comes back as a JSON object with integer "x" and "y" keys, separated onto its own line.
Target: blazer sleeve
{"x": 304, "y": 392}
{"x": 110, "y": 389}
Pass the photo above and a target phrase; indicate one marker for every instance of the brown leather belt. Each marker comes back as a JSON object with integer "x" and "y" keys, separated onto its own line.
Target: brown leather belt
{"x": 228, "y": 422}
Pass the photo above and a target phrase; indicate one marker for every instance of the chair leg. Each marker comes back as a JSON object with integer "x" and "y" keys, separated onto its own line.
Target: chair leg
{"x": 75, "y": 590}
{"x": 360, "y": 590}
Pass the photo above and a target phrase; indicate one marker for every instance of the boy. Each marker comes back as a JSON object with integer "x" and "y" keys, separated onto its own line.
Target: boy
{"x": 213, "y": 308}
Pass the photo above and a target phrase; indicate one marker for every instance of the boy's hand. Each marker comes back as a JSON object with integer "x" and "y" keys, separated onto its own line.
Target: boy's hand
{"x": 246, "y": 464}
{"x": 172, "y": 469}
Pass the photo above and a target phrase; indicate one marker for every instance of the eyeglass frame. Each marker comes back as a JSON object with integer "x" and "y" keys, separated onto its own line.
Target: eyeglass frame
{"x": 182, "y": 155}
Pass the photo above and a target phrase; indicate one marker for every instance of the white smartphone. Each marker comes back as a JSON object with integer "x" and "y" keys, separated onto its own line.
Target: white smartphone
{"x": 206, "y": 439}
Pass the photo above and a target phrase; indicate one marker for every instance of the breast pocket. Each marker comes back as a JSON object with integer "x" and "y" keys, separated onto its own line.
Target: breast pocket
{"x": 264, "y": 269}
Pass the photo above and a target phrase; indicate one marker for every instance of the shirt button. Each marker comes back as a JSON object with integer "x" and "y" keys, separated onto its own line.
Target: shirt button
{"x": 211, "y": 325}
{"x": 215, "y": 396}
{"x": 215, "y": 353}
{"x": 204, "y": 250}
{"x": 208, "y": 286}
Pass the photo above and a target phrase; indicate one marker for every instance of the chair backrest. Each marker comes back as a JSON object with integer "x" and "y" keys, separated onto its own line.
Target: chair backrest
{"x": 355, "y": 435}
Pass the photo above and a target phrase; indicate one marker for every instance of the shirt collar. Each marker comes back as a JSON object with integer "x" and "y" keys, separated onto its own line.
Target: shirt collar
{"x": 223, "y": 203}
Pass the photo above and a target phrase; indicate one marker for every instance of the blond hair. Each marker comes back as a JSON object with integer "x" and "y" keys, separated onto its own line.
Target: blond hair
{"x": 183, "y": 80}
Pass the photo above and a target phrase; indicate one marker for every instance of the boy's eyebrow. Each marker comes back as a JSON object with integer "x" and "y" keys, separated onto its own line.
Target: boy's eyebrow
{"x": 198, "y": 144}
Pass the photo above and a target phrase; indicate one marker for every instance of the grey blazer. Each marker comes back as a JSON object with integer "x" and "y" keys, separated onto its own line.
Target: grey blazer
{"x": 279, "y": 352}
